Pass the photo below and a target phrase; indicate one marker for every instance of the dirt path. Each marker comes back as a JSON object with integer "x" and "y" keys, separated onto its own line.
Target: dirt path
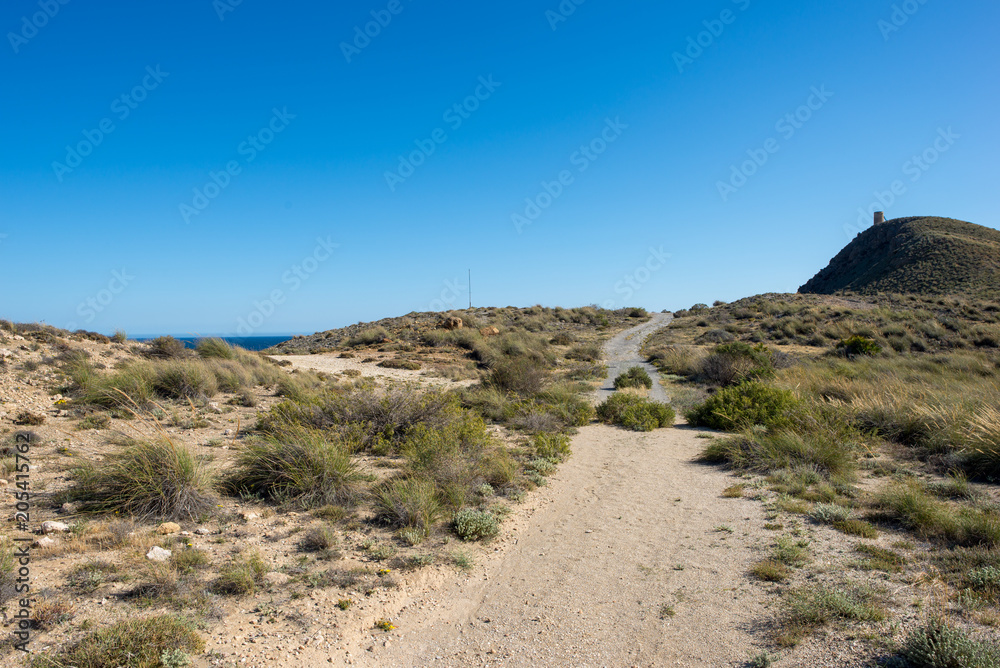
{"x": 624, "y": 350}
{"x": 629, "y": 557}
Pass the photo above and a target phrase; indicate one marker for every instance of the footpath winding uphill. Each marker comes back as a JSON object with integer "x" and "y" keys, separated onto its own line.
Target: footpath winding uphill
{"x": 629, "y": 557}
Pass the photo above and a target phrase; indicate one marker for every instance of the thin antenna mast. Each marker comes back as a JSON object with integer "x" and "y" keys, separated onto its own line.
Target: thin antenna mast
{"x": 470, "y": 289}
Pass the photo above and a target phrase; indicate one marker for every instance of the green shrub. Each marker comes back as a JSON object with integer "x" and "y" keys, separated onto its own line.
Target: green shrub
{"x": 986, "y": 580}
{"x": 584, "y": 353}
{"x": 368, "y": 337}
{"x": 408, "y": 503}
{"x": 471, "y": 524}
{"x": 184, "y": 379}
{"x": 242, "y": 576}
{"x": 736, "y": 362}
{"x": 133, "y": 642}
{"x": 297, "y": 466}
{"x": 939, "y": 645}
{"x": 551, "y": 446}
{"x": 146, "y": 479}
{"x": 520, "y": 375}
{"x": 857, "y": 346}
{"x": 635, "y": 377}
{"x": 743, "y": 405}
{"x": 916, "y": 509}
{"x": 408, "y": 365}
{"x": 166, "y": 347}
{"x": 215, "y": 347}
{"x": 780, "y": 450}
{"x": 635, "y": 413}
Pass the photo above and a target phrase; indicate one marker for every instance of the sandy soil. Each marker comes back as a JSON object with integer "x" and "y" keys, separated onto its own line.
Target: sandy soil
{"x": 630, "y": 557}
{"x": 332, "y": 363}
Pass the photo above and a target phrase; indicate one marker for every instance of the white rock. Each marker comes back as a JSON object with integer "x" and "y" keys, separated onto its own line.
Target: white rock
{"x": 247, "y": 515}
{"x": 3, "y": 483}
{"x": 157, "y": 553}
{"x": 44, "y": 541}
{"x": 214, "y": 407}
{"x": 202, "y": 531}
{"x": 54, "y": 527}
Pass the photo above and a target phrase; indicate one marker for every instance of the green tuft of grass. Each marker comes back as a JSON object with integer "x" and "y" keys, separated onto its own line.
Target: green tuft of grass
{"x": 937, "y": 644}
{"x": 879, "y": 559}
{"x": 758, "y": 452}
{"x": 855, "y": 527}
{"x": 242, "y": 576}
{"x": 409, "y": 503}
{"x": 133, "y": 642}
{"x": 770, "y": 570}
{"x": 916, "y": 509}
{"x": 297, "y": 466}
{"x": 146, "y": 479}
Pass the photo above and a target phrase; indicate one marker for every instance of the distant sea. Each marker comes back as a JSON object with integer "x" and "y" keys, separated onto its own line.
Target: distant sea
{"x": 247, "y": 342}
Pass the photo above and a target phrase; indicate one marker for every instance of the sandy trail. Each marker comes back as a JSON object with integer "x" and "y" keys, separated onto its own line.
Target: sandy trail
{"x": 629, "y": 557}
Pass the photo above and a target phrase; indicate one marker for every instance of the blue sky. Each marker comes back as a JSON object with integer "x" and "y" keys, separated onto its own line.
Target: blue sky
{"x": 211, "y": 167}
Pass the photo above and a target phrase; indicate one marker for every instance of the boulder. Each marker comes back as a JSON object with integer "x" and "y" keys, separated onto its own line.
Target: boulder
{"x": 44, "y": 541}
{"x": 168, "y": 528}
{"x": 157, "y": 553}
{"x": 452, "y": 323}
{"x": 54, "y": 527}
{"x": 489, "y": 331}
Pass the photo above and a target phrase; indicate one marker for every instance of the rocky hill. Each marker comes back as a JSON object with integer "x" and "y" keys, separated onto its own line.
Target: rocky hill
{"x": 917, "y": 255}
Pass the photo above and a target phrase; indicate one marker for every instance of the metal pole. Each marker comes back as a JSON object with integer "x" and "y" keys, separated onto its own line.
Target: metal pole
{"x": 470, "y": 289}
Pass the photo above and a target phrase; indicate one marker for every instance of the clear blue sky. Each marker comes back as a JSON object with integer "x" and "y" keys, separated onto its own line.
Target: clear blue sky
{"x": 311, "y": 127}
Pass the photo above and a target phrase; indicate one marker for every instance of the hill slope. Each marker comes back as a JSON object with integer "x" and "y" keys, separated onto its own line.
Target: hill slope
{"x": 918, "y": 255}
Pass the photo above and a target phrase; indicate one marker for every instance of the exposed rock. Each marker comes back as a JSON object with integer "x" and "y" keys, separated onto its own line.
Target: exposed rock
{"x": 249, "y": 515}
{"x": 203, "y": 531}
{"x": 44, "y": 541}
{"x": 69, "y": 508}
{"x": 54, "y": 527}
{"x": 157, "y": 553}
{"x": 489, "y": 331}
{"x": 452, "y": 323}
{"x": 168, "y": 528}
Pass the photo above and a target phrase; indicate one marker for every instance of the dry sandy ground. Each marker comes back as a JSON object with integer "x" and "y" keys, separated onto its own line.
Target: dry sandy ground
{"x": 630, "y": 557}
{"x": 332, "y": 363}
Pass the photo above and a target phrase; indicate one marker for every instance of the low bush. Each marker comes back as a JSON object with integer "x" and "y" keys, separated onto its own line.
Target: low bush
{"x": 368, "y": 337}
{"x": 635, "y": 377}
{"x": 146, "y": 479}
{"x": 940, "y": 645}
{"x": 519, "y": 375}
{"x": 408, "y": 503}
{"x": 736, "y": 362}
{"x": 297, "y": 466}
{"x": 166, "y": 347}
{"x": 635, "y": 412}
{"x": 551, "y": 446}
{"x": 472, "y": 525}
{"x": 857, "y": 346}
{"x": 133, "y": 642}
{"x": 242, "y": 576}
{"x": 909, "y": 503}
{"x": 215, "y": 347}
{"x": 407, "y": 365}
{"x": 775, "y": 451}
{"x": 744, "y": 405}
{"x": 584, "y": 353}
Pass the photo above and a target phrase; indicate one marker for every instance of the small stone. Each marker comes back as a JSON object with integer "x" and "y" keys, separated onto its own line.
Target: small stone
{"x": 44, "y": 541}
{"x": 168, "y": 528}
{"x": 249, "y": 515}
{"x": 214, "y": 407}
{"x": 69, "y": 508}
{"x": 157, "y": 553}
{"x": 227, "y": 432}
{"x": 54, "y": 527}
{"x": 3, "y": 483}
{"x": 185, "y": 533}
{"x": 202, "y": 531}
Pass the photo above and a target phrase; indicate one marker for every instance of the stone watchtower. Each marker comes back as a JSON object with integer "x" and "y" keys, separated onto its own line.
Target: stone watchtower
{"x": 879, "y": 217}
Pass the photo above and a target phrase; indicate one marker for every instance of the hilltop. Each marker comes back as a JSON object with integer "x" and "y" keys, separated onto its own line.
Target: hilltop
{"x": 919, "y": 255}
